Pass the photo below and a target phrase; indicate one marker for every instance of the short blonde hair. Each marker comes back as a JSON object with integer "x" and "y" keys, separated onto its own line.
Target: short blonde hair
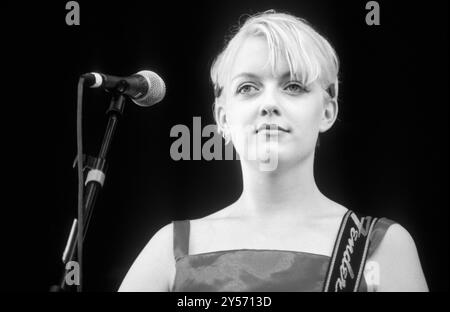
{"x": 309, "y": 55}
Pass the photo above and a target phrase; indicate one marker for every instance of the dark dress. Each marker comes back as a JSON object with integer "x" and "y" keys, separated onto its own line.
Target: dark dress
{"x": 254, "y": 270}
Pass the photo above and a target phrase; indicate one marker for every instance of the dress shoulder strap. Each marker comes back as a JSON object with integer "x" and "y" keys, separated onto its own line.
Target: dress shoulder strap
{"x": 378, "y": 233}
{"x": 180, "y": 238}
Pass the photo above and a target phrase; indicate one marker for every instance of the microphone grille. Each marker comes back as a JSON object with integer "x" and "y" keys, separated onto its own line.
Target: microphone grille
{"x": 156, "y": 89}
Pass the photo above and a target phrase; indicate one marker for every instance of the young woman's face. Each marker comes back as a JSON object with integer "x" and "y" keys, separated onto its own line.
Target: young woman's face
{"x": 256, "y": 97}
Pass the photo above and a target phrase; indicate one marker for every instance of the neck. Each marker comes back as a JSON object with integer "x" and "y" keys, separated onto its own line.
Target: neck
{"x": 284, "y": 191}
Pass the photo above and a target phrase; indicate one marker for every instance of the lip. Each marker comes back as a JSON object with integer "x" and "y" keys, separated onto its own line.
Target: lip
{"x": 270, "y": 128}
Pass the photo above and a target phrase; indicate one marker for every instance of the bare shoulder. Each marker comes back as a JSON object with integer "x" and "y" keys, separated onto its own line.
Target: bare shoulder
{"x": 399, "y": 237}
{"x": 218, "y": 217}
{"x": 398, "y": 261}
{"x": 164, "y": 234}
{"x": 397, "y": 240}
{"x": 161, "y": 241}
{"x": 223, "y": 213}
{"x": 154, "y": 267}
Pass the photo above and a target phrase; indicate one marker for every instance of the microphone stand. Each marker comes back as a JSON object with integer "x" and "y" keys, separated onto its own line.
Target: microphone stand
{"x": 95, "y": 178}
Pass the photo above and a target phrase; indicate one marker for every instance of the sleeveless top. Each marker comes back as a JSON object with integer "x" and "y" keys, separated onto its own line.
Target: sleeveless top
{"x": 254, "y": 270}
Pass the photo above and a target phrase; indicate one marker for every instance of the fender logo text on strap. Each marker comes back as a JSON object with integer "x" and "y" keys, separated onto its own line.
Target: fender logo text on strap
{"x": 345, "y": 269}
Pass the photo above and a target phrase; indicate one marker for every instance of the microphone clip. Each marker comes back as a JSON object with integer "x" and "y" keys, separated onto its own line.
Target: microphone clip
{"x": 96, "y": 168}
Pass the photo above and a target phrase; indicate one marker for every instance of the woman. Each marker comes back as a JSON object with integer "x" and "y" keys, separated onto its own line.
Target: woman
{"x": 276, "y": 88}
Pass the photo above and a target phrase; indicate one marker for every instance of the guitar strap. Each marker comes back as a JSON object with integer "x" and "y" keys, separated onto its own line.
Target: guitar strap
{"x": 349, "y": 253}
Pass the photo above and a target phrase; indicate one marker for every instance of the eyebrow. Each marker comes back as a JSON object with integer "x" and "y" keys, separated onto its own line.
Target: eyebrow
{"x": 254, "y": 76}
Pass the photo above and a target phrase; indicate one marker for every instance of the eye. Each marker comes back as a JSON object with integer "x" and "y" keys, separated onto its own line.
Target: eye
{"x": 246, "y": 89}
{"x": 296, "y": 88}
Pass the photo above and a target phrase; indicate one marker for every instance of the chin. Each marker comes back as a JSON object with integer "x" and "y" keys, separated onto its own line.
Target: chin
{"x": 285, "y": 155}
{"x": 270, "y": 155}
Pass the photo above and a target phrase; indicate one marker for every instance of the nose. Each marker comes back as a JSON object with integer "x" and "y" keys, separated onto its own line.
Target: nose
{"x": 270, "y": 111}
{"x": 270, "y": 105}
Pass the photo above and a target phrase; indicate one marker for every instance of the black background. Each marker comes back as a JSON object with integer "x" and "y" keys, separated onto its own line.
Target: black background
{"x": 386, "y": 155}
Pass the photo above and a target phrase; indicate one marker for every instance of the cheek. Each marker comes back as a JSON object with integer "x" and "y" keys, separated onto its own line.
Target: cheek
{"x": 306, "y": 118}
{"x": 239, "y": 117}
{"x": 241, "y": 123}
{"x": 241, "y": 131}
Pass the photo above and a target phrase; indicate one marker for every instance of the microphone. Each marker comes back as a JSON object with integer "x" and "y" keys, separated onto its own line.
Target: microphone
{"x": 145, "y": 88}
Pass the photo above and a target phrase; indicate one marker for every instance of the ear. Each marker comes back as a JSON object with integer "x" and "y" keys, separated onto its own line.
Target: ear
{"x": 220, "y": 114}
{"x": 329, "y": 114}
